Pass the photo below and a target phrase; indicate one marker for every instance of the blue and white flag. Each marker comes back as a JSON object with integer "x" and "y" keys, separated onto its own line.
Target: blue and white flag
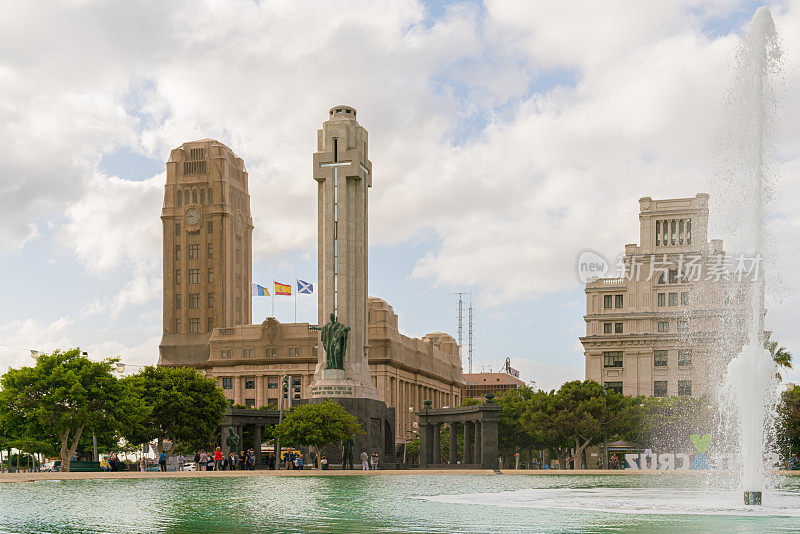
{"x": 305, "y": 287}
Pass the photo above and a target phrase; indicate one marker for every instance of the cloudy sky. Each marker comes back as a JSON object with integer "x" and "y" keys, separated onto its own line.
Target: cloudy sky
{"x": 506, "y": 137}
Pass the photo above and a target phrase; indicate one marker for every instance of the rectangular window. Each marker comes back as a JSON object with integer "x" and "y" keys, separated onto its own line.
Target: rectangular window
{"x": 607, "y": 328}
{"x": 673, "y": 299}
{"x": 227, "y": 382}
{"x": 684, "y": 357}
{"x": 680, "y": 232}
{"x": 688, "y": 231}
{"x": 272, "y": 382}
{"x": 658, "y": 233}
{"x": 210, "y": 300}
{"x": 250, "y": 404}
{"x": 614, "y": 386}
{"x": 210, "y": 275}
{"x": 663, "y": 326}
{"x": 177, "y": 301}
{"x": 662, "y": 299}
{"x": 250, "y": 353}
{"x": 683, "y": 325}
{"x": 210, "y": 324}
{"x": 612, "y": 358}
{"x": 685, "y": 388}
{"x": 194, "y": 325}
{"x": 673, "y": 276}
{"x": 607, "y": 301}
{"x": 210, "y": 250}
{"x": 194, "y": 301}
{"x": 618, "y": 301}
{"x": 294, "y": 352}
{"x": 660, "y": 358}
{"x": 178, "y": 276}
{"x": 617, "y": 328}
{"x": 177, "y": 252}
{"x": 672, "y": 232}
{"x": 660, "y": 388}
{"x": 249, "y": 383}
{"x": 210, "y": 224}
{"x": 272, "y": 352}
{"x": 661, "y": 279}
{"x": 194, "y": 276}
{"x": 194, "y": 251}
{"x": 178, "y": 326}
{"x": 177, "y": 228}
{"x": 684, "y": 299}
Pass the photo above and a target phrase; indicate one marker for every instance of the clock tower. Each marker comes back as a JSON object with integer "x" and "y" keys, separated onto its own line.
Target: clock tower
{"x": 207, "y": 249}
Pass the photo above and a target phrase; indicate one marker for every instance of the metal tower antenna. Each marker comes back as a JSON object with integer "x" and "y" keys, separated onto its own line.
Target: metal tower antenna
{"x": 460, "y": 323}
{"x": 470, "y": 333}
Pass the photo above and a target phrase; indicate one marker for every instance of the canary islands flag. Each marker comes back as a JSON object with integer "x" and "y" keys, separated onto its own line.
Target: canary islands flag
{"x": 282, "y": 289}
{"x": 305, "y": 287}
{"x": 259, "y": 291}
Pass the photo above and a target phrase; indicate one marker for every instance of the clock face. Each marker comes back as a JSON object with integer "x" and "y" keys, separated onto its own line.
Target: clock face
{"x": 192, "y": 216}
{"x": 239, "y": 221}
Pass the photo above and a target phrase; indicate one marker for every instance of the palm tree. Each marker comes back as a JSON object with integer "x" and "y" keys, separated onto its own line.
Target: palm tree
{"x": 780, "y": 355}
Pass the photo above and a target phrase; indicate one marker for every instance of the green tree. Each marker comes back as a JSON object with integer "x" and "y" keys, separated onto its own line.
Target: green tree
{"x": 789, "y": 418}
{"x": 317, "y": 425}
{"x": 667, "y": 422}
{"x": 539, "y": 420}
{"x": 61, "y": 396}
{"x": 780, "y": 355}
{"x": 515, "y": 436}
{"x": 182, "y": 406}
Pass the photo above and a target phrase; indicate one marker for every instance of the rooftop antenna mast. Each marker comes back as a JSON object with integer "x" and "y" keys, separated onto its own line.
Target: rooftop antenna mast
{"x": 470, "y": 332}
{"x": 460, "y": 323}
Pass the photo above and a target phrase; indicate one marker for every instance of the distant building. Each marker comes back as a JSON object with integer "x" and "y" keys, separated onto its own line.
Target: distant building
{"x": 657, "y": 330}
{"x": 479, "y": 384}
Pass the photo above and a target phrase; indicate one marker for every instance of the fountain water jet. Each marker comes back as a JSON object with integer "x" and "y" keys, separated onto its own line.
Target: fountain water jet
{"x": 749, "y": 381}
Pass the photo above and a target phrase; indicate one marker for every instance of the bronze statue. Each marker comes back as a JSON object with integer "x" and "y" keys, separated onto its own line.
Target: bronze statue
{"x": 334, "y": 341}
{"x": 347, "y": 452}
{"x": 232, "y": 440}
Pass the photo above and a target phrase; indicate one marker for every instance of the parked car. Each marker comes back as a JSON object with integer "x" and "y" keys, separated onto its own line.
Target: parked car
{"x": 157, "y": 468}
{"x": 190, "y": 466}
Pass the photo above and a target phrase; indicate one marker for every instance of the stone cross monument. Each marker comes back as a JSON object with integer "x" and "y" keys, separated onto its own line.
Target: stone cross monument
{"x": 344, "y": 175}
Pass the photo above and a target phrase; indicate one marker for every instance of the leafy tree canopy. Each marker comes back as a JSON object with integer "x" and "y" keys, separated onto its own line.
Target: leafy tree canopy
{"x": 317, "y": 425}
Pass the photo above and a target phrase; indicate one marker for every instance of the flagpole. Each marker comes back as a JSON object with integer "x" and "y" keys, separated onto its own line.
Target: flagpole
{"x": 273, "y": 297}
{"x": 295, "y": 300}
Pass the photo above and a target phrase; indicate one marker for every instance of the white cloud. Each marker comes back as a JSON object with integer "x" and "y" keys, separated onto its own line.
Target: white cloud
{"x": 21, "y": 336}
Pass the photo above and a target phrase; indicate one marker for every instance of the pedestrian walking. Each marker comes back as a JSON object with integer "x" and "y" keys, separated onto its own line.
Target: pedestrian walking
{"x": 142, "y": 464}
{"x": 364, "y": 461}
{"x": 218, "y": 459}
{"x": 203, "y": 461}
{"x": 181, "y": 461}
{"x": 162, "y": 460}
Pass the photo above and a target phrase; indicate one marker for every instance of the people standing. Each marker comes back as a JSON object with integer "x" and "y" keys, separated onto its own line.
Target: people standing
{"x": 232, "y": 461}
{"x": 218, "y": 459}
{"x": 364, "y": 461}
{"x": 181, "y": 461}
{"x": 104, "y": 465}
{"x": 143, "y": 464}
{"x": 203, "y": 461}
{"x": 373, "y": 461}
{"x": 323, "y": 462}
{"x": 162, "y": 460}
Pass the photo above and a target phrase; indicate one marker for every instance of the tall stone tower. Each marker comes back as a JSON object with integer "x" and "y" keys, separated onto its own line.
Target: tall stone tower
{"x": 207, "y": 249}
{"x": 344, "y": 175}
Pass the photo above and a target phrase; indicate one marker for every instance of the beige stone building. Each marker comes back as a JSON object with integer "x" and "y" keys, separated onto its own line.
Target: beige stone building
{"x": 214, "y": 333}
{"x": 656, "y": 330}
{"x": 479, "y": 384}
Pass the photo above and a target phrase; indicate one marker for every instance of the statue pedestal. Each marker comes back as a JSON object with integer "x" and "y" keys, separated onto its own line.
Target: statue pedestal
{"x": 334, "y": 383}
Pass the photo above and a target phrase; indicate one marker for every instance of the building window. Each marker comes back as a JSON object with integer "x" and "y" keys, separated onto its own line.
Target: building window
{"x": 250, "y": 404}
{"x": 684, "y": 357}
{"x": 194, "y": 276}
{"x": 178, "y": 276}
{"x": 177, "y": 252}
{"x": 680, "y": 232}
{"x": 272, "y": 382}
{"x": 210, "y": 196}
{"x": 673, "y": 276}
{"x": 617, "y": 328}
{"x": 210, "y": 324}
{"x": 618, "y": 301}
{"x": 272, "y": 352}
{"x": 614, "y": 386}
{"x": 194, "y": 196}
{"x": 194, "y": 301}
{"x": 683, "y": 325}
{"x": 194, "y": 251}
{"x": 180, "y": 198}
{"x": 663, "y": 326}
{"x": 177, "y": 301}
{"x": 660, "y": 358}
{"x": 210, "y": 227}
{"x": 612, "y": 358}
{"x": 210, "y": 275}
{"x": 249, "y": 383}
{"x": 225, "y": 354}
{"x": 211, "y": 300}
{"x": 227, "y": 382}
{"x": 688, "y": 231}
{"x": 658, "y": 233}
{"x": 294, "y": 352}
{"x": 684, "y": 299}
{"x": 685, "y": 388}
{"x": 672, "y": 232}
{"x": 194, "y": 325}
{"x": 178, "y": 326}
{"x": 607, "y": 328}
{"x": 186, "y": 197}
{"x": 661, "y": 279}
{"x": 660, "y": 388}
{"x": 177, "y": 228}
{"x": 210, "y": 250}
{"x": 607, "y": 300}
{"x": 662, "y": 300}
{"x": 202, "y": 196}
{"x": 673, "y": 299}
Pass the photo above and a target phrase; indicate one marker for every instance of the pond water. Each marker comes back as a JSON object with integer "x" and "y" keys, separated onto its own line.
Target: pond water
{"x": 399, "y": 503}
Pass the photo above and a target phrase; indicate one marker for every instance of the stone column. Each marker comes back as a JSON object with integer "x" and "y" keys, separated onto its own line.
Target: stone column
{"x": 437, "y": 443}
{"x": 489, "y": 445}
{"x": 478, "y": 457}
{"x": 453, "y": 443}
{"x": 261, "y": 391}
{"x": 426, "y": 444}
{"x": 257, "y": 444}
{"x": 468, "y": 426}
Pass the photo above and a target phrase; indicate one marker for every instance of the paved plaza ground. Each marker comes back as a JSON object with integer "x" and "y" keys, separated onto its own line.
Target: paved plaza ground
{"x": 32, "y": 477}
